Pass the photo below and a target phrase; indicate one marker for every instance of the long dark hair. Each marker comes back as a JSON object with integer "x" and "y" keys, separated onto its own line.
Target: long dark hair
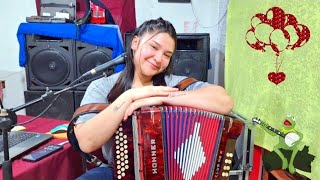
{"x": 126, "y": 77}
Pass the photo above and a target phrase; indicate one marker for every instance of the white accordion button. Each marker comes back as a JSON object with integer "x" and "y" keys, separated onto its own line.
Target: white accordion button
{"x": 229, "y": 154}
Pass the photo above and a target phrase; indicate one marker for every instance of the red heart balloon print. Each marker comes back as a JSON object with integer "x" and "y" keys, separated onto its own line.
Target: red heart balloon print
{"x": 276, "y": 77}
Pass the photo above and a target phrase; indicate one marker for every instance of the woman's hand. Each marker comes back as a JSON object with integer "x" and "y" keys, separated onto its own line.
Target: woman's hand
{"x": 151, "y": 101}
{"x": 147, "y": 96}
{"x": 149, "y": 91}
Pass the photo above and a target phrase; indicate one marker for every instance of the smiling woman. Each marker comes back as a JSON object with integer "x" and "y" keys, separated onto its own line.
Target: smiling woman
{"x": 152, "y": 54}
{"x": 148, "y": 69}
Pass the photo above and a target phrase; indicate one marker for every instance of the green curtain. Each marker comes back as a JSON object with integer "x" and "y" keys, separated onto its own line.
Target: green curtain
{"x": 272, "y": 67}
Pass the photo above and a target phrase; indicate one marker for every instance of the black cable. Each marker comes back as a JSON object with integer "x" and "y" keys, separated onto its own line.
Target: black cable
{"x": 51, "y": 103}
{"x": 36, "y": 117}
{"x": 205, "y": 27}
{"x": 85, "y": 18}
{"x": 86, "y": 15}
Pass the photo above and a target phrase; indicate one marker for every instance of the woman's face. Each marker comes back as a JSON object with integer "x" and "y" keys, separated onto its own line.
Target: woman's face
{"x": 152, "y": 53}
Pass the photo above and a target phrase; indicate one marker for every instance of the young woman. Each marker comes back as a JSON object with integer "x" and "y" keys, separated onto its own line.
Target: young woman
{"x": 146, "y": 80}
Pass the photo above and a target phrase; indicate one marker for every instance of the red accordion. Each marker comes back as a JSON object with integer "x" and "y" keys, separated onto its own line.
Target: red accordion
{"x": 171, "y": 142}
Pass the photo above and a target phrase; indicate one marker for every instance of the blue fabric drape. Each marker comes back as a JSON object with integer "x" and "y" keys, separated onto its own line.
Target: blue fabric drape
{"x": 99, "y": 35}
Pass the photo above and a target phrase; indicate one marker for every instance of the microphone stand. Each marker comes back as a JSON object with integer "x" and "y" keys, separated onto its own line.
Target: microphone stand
{"x": 8, "y": 118}
{"x": 5, "y": 125}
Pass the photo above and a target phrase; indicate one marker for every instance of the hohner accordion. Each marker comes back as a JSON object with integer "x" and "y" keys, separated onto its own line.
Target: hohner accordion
{"x": 171, "y": 142}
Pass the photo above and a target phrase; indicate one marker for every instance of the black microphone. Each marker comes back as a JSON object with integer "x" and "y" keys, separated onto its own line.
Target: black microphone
{"x": 102, "y": 67}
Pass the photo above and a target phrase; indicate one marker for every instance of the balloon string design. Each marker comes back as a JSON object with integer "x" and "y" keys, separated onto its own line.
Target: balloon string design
{"x": 278, "y": 64}
{"x": 277, "y": 31}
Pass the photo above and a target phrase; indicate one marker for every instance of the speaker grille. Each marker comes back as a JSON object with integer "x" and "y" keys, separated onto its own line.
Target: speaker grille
{"x": 190, "y": 65}
{"x": 192, "y": 56}
{"x": 89, "y": 57}
{"x": 49, "y": 67}
{"x": 50, "y": 63}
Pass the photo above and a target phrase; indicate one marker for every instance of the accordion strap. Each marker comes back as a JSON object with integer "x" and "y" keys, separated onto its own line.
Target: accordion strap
{"x": 82, "y": 110}
{"x": 185, "y": 83}
{"x": 96, "y": 108}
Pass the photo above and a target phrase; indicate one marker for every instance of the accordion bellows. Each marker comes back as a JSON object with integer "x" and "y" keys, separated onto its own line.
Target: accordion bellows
{"x": 171, "y": 142}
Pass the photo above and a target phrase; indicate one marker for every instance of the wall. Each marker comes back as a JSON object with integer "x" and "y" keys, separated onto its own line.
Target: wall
{"x": 13, "y": 14}
{"x": 199, "y": 16}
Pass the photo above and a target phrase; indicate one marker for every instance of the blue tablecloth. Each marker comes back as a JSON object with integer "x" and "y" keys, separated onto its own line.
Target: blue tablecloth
{"x": 99, "y": 35}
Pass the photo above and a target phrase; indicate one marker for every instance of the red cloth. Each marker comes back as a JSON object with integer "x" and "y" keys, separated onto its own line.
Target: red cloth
{"x": 123, "y": 13}
{"x": 257, "y": 163}
{"x": 65, "y": 164}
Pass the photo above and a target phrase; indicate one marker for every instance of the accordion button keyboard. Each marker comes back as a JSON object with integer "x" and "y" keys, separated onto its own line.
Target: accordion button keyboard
{"x": 121, "y": 153}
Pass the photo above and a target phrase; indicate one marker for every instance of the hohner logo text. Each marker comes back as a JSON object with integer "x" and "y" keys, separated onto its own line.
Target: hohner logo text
{"x": 154, "y": 156}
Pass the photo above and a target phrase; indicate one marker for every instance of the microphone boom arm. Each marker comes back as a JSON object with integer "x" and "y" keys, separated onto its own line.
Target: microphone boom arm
{"x": 50, "y": 94}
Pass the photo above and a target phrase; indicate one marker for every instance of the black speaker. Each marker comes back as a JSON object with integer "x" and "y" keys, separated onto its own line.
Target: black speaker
{"x": 61, "y": 108}
{"x": 89, "y": 57}
{"x": 192, "y": 56}
{"x": 78, "y": 95}
{"x": 50, "y": 62}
